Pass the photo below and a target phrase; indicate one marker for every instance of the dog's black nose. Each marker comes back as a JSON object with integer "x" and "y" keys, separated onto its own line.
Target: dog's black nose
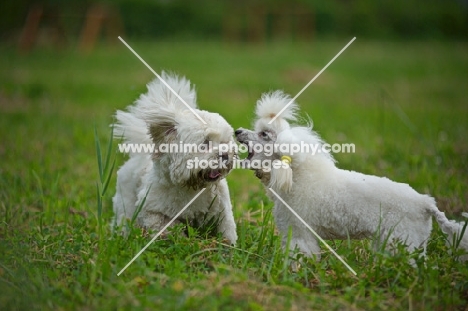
{"x": 237, "y": 132}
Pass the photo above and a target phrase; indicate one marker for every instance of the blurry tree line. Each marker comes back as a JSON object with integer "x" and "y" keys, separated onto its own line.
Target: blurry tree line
{"x": 256, "y": 20}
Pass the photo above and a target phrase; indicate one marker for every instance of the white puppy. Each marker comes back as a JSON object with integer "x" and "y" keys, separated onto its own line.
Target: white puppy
{"x": 162, "y": 183}
{"x": 336, "y": 203}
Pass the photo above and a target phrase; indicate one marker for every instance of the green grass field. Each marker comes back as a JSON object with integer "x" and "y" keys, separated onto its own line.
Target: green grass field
{"x": 404, "y": 106}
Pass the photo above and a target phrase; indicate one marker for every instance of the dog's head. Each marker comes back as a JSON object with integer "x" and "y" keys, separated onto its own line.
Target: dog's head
{"x": 191, "y": 153}
{"x": 274, "y": 111}
{"x": 274, "y": 145}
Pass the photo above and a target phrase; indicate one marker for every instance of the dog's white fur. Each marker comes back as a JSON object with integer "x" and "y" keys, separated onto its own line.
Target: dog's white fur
{"x": 161, "y": 183}
{"x": 336, "y": 203}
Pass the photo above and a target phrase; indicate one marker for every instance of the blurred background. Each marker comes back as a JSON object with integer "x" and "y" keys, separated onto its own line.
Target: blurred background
{"x": 69, "y": 22}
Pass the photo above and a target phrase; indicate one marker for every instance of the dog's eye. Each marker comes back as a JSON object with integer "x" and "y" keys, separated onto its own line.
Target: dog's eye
{"x": 264, "y": 135}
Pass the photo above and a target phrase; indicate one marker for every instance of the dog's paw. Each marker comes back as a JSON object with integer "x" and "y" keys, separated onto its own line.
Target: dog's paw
{"x": 230, "y": 236}
{"x": 295, "y": 266}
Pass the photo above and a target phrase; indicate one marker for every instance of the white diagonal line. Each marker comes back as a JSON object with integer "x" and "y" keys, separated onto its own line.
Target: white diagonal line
{"x": 161, "y": 231}
{"x": 313, "y": 79}
{"x": 312, "y": 230}
{"x": 161, "y": 79}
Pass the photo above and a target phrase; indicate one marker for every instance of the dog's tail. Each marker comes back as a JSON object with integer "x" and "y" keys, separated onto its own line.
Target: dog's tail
{"x": 457, "y": 232}
{"x": 132, "y": 126}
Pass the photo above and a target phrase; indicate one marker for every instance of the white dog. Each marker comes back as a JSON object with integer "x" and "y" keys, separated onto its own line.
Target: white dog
{"x": 162, "y": 183}
{"x": 336, "y": 203}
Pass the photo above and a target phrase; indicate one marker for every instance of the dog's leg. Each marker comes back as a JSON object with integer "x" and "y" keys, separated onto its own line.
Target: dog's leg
{"x": 304, "y": 242}
{"x": 126, "y": 197}
{"x": 301, "y": 237}
{"x": 121, "y": 217}
{"x": 155, "y": 221}
{"x": 308, "y": 246}
{"x": 386, "y": 238}
{"x": 227, "y": 225}
{"x": 126, "y": 194}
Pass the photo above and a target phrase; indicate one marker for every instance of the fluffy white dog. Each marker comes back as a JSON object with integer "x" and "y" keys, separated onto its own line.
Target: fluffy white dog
{"x": 162, "y": 183}
{"x": 336, "y": 203}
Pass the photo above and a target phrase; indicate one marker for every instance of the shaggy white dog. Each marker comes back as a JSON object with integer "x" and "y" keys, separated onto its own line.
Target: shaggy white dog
{"x": 336, "y": 203}
{"x": 162, "y": 183}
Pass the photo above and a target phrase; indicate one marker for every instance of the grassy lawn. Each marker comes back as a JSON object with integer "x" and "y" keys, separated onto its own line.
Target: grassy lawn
{"x": 404, "y": 106}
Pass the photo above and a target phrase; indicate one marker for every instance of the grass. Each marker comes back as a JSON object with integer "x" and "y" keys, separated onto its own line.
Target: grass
{"x": 402, "y": 104}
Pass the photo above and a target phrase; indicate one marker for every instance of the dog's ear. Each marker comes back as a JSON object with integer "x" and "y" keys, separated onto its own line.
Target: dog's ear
{"x": 281, "y": 177}
{"x": 159, "y": 108}
{"x": 162, "y": 126}
{"x": 162, "y": 132}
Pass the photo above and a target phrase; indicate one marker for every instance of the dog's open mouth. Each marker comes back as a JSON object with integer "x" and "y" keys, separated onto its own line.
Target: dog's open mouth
{"x": 250, "y": 155}
{"x": 251, "y": 152}
{"x": 213, "y": 175}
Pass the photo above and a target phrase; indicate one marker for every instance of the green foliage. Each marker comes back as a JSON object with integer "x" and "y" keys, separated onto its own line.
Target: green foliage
{"x": 165, "y": 19}
{"x": 391, "y": 18}
{"x": 362, "y": 18}
{"x": 402, "y": 105}
{"x": 209, "y": 19}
